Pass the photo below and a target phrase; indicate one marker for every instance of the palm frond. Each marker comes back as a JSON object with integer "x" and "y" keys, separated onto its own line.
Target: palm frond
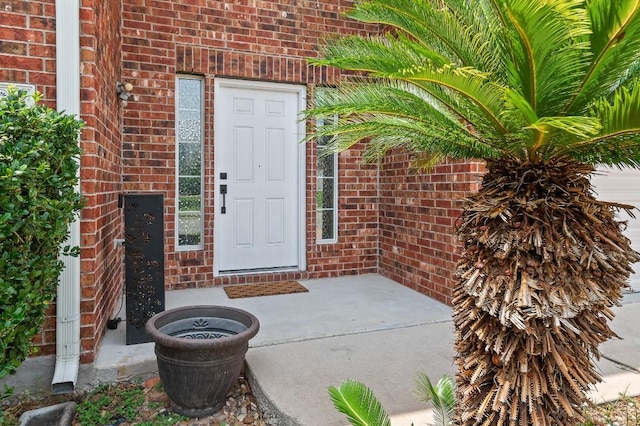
{"x": 579, "y": 127}
{"x": 426, "y": 161}
{"x": 442, "y": 395}
{"x": 630, "y": 77}
{"x": 615, "y": 50}
{"x": 392, "y": 114}
{"x": 395, "y": 98}
{"x": 547, "y": 50}
{"x": 618, "y": 141}
{"x": 554, "y": 134}
{"x": 487, "y": 78}
{"x": 385, "y": 133}
{"x": 391, "y": 98}
{"x": 389, "y": 58}
{"x": 359, "y": 404}
{"x": 378, "y": 55}
{"x": 458, "y": 31}
{"x": 518, "y": 109}
{"x": 469, "y": 83}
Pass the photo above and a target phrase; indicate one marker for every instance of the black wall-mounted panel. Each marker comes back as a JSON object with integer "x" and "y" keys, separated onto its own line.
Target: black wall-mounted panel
{"x": 144, "y": 262}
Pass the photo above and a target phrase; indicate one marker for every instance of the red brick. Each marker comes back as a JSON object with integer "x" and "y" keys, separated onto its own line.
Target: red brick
{"x": 20, "y": 62}
{"x": 13, "y": 20}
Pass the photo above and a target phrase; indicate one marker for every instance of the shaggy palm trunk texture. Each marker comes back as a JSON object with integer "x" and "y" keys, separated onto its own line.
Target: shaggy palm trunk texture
{"x": 543, "y": 264}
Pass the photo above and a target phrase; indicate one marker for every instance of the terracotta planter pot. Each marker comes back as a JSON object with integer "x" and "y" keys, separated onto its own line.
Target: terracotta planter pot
{"x": 200, "y": 352}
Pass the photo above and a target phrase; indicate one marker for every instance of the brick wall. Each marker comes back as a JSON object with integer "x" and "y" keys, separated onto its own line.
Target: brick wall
{"x": 356, "y": 251}
{"x": 27, "y": 45}
{"x": 27, "y": 55}
{"x": 418, "y": 247}
{"x": 101, "y": 262}
{"x": 390, "y": 221}
{"x": 268, "y": 41}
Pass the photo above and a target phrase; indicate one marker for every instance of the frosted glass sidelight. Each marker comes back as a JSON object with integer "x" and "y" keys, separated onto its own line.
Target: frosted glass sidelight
{"x": 326, "y": 225}
{"x": 190, "y": 93}
{"x": 189, "y": 145}
{"x": 189, "y": 159}
{"x": 327, "y": 190}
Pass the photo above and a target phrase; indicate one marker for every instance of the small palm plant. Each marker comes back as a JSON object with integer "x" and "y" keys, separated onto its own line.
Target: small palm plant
{"x": 543, "y": 91}
{"x": 362, "y": 408}
{"x": 442, "y": 396}
{"x": 359, "y": 404}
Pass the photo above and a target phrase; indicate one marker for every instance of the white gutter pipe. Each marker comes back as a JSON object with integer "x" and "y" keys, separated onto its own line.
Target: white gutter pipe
{"x": 65, "y": 375}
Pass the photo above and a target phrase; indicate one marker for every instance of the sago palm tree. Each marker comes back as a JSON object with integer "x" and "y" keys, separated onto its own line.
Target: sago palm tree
{"x": 543, "y": 91}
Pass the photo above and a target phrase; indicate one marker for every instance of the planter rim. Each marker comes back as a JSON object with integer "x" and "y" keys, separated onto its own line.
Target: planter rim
{"x": 252, "y": 324}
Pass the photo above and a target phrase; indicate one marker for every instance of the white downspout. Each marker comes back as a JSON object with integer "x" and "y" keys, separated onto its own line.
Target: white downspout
{"x": 68, "y": 298}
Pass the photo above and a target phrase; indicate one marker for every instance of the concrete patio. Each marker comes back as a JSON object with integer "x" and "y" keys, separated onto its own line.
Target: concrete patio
{"x": 366, "y": 328}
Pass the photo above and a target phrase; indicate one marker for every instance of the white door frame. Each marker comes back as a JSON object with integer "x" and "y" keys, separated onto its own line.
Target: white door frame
{"x": 301, "y": 91}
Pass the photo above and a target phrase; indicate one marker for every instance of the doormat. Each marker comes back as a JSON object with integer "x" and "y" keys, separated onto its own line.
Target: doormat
{"x": 266, "y": 289}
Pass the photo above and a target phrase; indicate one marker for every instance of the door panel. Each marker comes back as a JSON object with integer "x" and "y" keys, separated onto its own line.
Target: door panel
{"x": 243, "y": 223}
{"x": 243, "y": 154}
{"x": 275, "y": 155}
{"x": 256, "y": 145}
{"x": 275, "y": 211}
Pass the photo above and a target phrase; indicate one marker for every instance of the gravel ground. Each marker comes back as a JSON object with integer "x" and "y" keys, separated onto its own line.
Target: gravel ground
{"x": 242, "y": 409}
{"x": 623, "y": 412}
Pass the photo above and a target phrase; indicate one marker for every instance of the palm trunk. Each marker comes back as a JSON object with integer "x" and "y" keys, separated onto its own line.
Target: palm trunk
{"x": 544, "y": 262}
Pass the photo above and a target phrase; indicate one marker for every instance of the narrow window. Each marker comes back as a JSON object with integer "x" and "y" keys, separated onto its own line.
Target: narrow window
{"x": 327, "y": 191}
{"x": 189, "y": 137}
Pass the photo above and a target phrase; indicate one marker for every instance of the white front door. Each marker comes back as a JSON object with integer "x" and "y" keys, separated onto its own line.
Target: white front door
{"x": 258, "y": 178}
{"x": 621, "y": 186}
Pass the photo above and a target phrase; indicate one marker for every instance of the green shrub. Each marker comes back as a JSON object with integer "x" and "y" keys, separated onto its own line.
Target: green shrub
{"x": 38, "y": 200}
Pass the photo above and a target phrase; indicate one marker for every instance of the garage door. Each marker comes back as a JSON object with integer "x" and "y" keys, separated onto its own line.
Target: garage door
{"x": 623, "y": 186}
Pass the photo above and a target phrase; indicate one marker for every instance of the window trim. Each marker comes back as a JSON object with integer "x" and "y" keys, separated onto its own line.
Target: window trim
{"x": 189, "y": 247}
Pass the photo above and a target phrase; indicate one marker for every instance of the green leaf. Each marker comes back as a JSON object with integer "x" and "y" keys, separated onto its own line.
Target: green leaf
{"x": 458, "y": 32}
{"x": 393, "y": 114}
{"x": 615, "y": 49}
{"x": 400, "y": 59}
{"x": 488, "y": 79}
{"x": 580, "y": 127}
{"x": 359, "y": 404}
{"x": 548, "y": 52}
{"x": 377, "y": 55}
{"x": 484, "y": 96}
{"x": 618, "y": 142}
{"x": 442, "y": 395}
